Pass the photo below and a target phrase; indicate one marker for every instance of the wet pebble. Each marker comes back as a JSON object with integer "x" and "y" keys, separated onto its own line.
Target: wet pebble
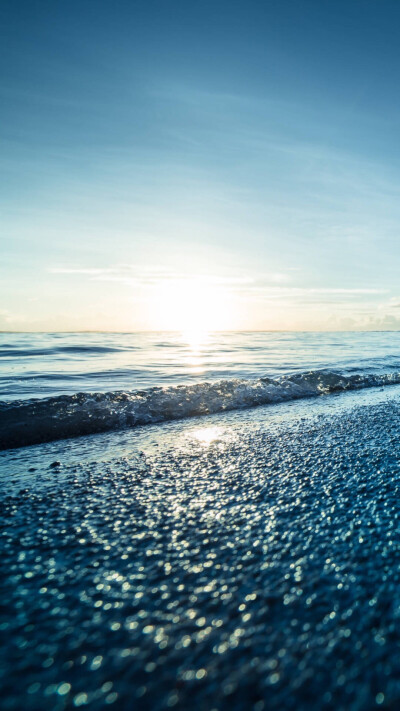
{"x": 257, "y": 574}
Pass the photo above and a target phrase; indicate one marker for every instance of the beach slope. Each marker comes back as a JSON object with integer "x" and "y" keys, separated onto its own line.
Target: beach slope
{"x": 243, "y": 561}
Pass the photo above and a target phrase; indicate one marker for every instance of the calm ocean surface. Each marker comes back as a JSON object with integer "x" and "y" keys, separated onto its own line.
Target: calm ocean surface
{"x": 47, "y": 364}
{"x": 54, "y": 386}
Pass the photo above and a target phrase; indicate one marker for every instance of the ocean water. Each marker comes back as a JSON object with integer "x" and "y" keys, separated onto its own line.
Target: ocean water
{"x": 58, "y": 385}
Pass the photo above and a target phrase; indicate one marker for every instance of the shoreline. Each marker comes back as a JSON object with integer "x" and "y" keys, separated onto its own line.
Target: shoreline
{"x": 249, "y": 559}
{"x": 37, "y": 421}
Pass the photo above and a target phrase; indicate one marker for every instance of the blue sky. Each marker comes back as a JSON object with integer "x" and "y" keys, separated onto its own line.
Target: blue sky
{"x": 240, "y": 158}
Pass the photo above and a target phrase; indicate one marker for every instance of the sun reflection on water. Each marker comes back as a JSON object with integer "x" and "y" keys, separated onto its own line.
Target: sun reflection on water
{"x": 207, "y": 435}
{"x": 196, "y": 341}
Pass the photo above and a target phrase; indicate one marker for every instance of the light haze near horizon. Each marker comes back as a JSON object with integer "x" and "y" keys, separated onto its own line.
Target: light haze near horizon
{"x": 202, "y": 165}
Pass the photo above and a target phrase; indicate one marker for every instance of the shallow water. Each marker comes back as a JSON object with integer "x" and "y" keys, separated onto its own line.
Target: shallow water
{"x": 44, "y": 365}
{"x": 66, "y": 385}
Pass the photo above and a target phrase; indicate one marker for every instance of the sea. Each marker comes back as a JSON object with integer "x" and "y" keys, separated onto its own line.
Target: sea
{"x": 57, "y": 385}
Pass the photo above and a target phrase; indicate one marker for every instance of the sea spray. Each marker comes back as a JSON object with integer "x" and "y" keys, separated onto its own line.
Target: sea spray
{"x": 26, "y": 422}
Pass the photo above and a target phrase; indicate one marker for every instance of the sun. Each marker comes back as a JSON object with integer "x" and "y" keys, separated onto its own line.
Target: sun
{"x": 193, "y": 306}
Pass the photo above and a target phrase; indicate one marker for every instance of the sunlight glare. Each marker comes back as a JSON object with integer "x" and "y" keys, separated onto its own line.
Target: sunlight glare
{"x": 194, "y": 307}
{"x": 207, "y": 435}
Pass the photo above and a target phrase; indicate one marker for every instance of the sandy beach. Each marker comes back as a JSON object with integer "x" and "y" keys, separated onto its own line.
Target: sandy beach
{"x": 247, "y": 561}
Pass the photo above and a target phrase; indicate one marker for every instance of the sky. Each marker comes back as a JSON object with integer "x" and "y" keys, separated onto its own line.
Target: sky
{"x": 218, "y": 164}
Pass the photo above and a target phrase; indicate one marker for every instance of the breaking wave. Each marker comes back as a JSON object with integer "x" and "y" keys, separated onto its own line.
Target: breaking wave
{"x": 29, "y": 422}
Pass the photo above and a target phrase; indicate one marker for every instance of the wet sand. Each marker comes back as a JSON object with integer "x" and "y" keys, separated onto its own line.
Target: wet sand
{"x": 244, "y": 561}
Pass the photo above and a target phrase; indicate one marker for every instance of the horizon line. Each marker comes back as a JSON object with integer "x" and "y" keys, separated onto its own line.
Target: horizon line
{"x": 233, "y": 330}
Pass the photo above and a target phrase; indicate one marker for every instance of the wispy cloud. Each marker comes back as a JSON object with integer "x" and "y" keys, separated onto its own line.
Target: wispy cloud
{"x": 299, "y": 291}
{"x": 278, "y": 288}
{"x": 8, "y": 318}
{"x": 152, "y": 275}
